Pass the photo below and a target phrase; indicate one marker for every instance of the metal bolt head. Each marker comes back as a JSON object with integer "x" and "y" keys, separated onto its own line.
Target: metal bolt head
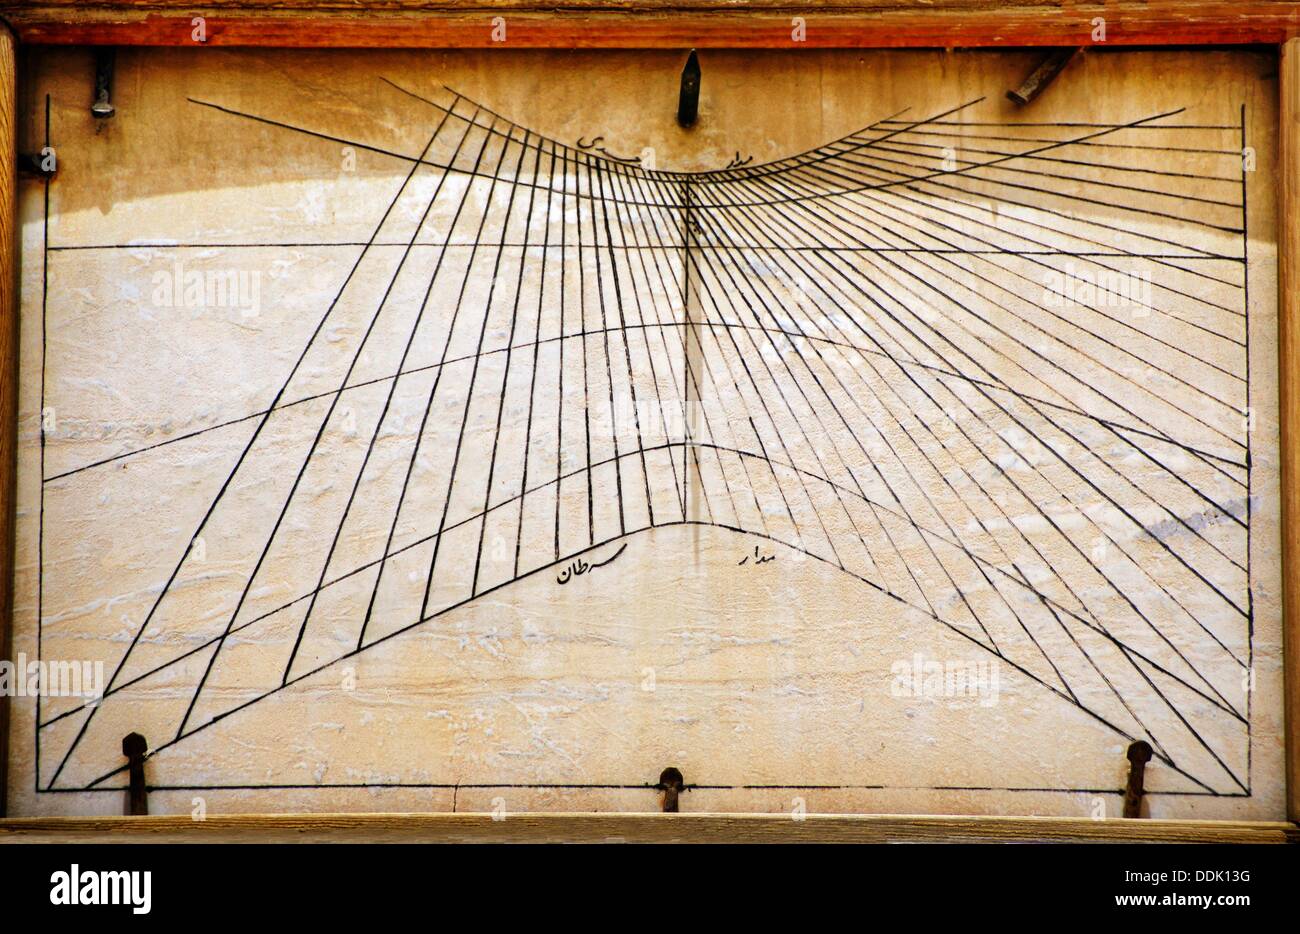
{"x": 1139, "y": 751}
{"x": 134, "y": 745}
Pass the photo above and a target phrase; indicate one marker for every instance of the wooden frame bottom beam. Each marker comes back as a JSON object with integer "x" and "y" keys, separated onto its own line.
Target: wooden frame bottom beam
{"x": 632, "y": 828}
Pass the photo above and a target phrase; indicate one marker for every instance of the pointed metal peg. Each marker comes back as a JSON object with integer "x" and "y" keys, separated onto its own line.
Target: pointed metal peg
{"x": 1042, "y": 76}
{"x": 671, "y": 784}
{"x": 134, "y": 747}
{"x": 1139, "y": 754}
{"x": 105, "y": 59}
{"x": 688, "y": 101}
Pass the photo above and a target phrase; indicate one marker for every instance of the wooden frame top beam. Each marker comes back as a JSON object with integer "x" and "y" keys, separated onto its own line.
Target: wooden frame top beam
{"x": 650, "y": 24}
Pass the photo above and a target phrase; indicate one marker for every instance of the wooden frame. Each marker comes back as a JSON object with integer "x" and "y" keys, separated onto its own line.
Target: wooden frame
{"x": 636, "y": 828}
{"x": 1289, "y": 392}
{"x": 651, "y": 24}
{"x": 8, "y": 375}
{"x": 669, "y": 24}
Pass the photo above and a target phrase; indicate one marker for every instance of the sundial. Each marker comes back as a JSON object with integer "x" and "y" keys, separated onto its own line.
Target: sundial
{"x": 421, "y": 430}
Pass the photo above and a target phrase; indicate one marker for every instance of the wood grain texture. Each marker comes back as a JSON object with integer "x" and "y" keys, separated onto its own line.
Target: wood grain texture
{"x": 876, "y": 7}
{"x": 8, "y": 378}
{"x": 677, "y": 24}
{"x": 633, "y": 828}
{"x": 1289, "y": 399}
